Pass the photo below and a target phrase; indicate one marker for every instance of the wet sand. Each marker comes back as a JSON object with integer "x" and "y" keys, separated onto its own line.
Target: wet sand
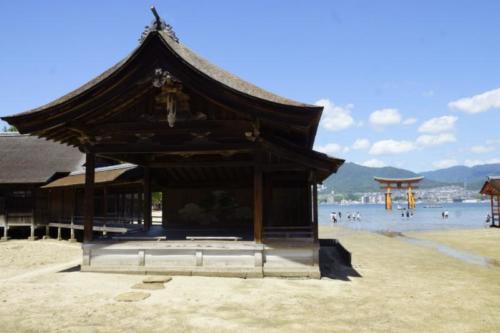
{"x": 403, "y": 288}
{"x": 484, "y": 242}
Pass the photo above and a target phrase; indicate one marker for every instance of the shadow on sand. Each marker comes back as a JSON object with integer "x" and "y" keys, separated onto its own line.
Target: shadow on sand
{"x": 335, "y": 261}
{"x": 75, "y": 268}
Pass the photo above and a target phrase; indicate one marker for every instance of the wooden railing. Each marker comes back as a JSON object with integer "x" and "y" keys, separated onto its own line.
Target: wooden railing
{"x": 288, "y": 232}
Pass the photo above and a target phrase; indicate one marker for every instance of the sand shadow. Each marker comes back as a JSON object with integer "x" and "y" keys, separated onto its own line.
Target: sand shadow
{"x": 335, "y": 261}
{"x": 72, "y": 269}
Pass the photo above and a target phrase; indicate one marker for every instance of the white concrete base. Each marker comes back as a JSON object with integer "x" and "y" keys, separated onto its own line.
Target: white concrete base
{"x": 203, "y": 258}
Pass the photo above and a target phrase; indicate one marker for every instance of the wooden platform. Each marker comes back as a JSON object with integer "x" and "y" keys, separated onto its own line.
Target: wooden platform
{"x": 207, "y": 258}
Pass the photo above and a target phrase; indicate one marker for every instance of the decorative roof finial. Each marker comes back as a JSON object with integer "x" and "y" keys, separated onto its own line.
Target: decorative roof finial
{"x": 158, "y": 21}
{"x": 158, "y": 25}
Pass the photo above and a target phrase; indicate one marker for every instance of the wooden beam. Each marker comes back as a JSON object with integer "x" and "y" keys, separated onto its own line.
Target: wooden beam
{"x": 88, "y": 223}
{"x": 147, "y": 198}
{"x": 188, "y": 150}
{"x": 258, "y": 198}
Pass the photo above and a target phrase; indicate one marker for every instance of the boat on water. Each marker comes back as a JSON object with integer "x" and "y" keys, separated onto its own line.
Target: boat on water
{"x": 433, "y": 206}
{"x": 470, "y": 201}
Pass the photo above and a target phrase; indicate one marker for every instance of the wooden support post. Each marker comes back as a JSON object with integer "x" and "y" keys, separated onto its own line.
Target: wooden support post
{"x": 33, "y": 213}
{"x": 164, "y": 209}
{"x": 257, "y": 199}
{"x": 315, "y": 210}
{"x": 88, "y": 221}
{"x": 5, "y": 229}
{"x": 147, "y": 198}
{"x": 492, "y": 211}
{"x": 105, "y": 203}
{"x": 47, "y": 231}
{"x": 59, "y": 233}
{"x": 498, "y": 210}
{"x": 140, "y": 210}
{"x": 72, "y": 230}
{"x": 32, "y": 232}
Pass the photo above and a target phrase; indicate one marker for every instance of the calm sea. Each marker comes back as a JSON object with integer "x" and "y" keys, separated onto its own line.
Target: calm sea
{"x": 376, "y": 218}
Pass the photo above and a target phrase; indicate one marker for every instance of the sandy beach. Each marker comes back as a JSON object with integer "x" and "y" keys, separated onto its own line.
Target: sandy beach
{"x": 402, "y": 288}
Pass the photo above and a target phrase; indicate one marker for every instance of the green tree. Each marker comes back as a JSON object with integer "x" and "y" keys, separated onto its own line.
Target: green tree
{"x": 10, "y": 129}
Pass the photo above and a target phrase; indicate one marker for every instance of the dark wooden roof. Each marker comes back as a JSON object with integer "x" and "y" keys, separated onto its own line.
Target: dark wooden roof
{"x": 104, "y": 175}
{"x": 29, "y": 160}
{"x": 491, "y": 186}
{"x": 116, "y": 114}
{"x": 188, "y": 58}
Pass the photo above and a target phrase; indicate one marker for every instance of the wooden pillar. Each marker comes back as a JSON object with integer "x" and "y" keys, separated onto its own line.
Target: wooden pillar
{"x": 257, "y": 199}
{"x": 315, "y": 210}
{"x": 147, "y": 198}
{"x": 164, "y": 209}
{"x": 498, "y": 210}
{"x": 88, "y": 220}
{"x": 33, "y": 214}
{"x": 140, "y": 210}
{"x": 105, "y": 203}
{"x": 492, "y": 211}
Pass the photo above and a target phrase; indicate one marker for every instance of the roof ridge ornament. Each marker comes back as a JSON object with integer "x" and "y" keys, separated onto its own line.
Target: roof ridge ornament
{"x": 158, "y": 24}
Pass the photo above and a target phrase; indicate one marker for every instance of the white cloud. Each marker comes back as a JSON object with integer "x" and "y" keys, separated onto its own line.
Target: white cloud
{"x": 385, "y": 117}
{"x": 478, "y": 103}
{"x": 409, "y": 121}
{"x": 446, "y": 163}
{"x": 335, "y": 118}
{"x": 391, "y": 147}
{"x": 493, "y": 142}
{"x": 428, "y": 93}
{"x": 474, "y": 162}
{"x": 331, "y": 148}
{"x": 361, "y": 144}
{"x": 373, "y": 163}
{"x": 435, "y": 140}
{"x": 481, "y": 149}
{"x": 438, "y": 124}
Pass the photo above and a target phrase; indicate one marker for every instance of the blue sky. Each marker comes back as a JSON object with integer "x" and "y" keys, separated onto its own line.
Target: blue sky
{"x": 413, "y": 84}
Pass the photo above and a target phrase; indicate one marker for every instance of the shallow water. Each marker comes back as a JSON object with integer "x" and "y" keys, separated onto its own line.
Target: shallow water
{"x": 376, "y": 218}
{"x": 449, "y": 251}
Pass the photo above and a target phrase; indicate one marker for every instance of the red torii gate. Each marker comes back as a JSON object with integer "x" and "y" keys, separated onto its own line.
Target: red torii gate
{"x": 400, "y": 184}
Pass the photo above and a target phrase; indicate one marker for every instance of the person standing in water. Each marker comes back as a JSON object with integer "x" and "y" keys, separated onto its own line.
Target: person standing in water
{"x": 333, "y": 217}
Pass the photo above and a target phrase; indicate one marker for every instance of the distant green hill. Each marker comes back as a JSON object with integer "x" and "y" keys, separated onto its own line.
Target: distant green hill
{"x": 473, "y": 177}
{"x": 353, "y": 177}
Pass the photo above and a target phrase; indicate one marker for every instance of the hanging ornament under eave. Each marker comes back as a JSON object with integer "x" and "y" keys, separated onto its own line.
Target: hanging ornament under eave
{"x": 171, "y": 106}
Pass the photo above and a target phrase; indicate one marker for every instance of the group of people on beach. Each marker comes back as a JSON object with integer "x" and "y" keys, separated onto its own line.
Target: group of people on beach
{"x": 334, "y": 217}
{"x": 406, "y": 212}
{"x": 444, "y": 215}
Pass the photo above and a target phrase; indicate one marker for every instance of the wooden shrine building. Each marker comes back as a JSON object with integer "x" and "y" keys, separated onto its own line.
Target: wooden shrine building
{"x": 408, "y": 184}
{"x": 233, "y": 161}
{"x": 26, "y": 164}
{"x": 492, "y": 188}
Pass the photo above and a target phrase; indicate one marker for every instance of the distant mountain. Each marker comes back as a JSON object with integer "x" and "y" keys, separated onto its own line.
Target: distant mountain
{"x": 473, "y": 177}
{"x": 353, "y": 177}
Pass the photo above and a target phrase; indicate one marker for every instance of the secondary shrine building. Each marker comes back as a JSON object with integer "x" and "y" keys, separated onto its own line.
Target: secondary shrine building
{"x": 234, "y": 163}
